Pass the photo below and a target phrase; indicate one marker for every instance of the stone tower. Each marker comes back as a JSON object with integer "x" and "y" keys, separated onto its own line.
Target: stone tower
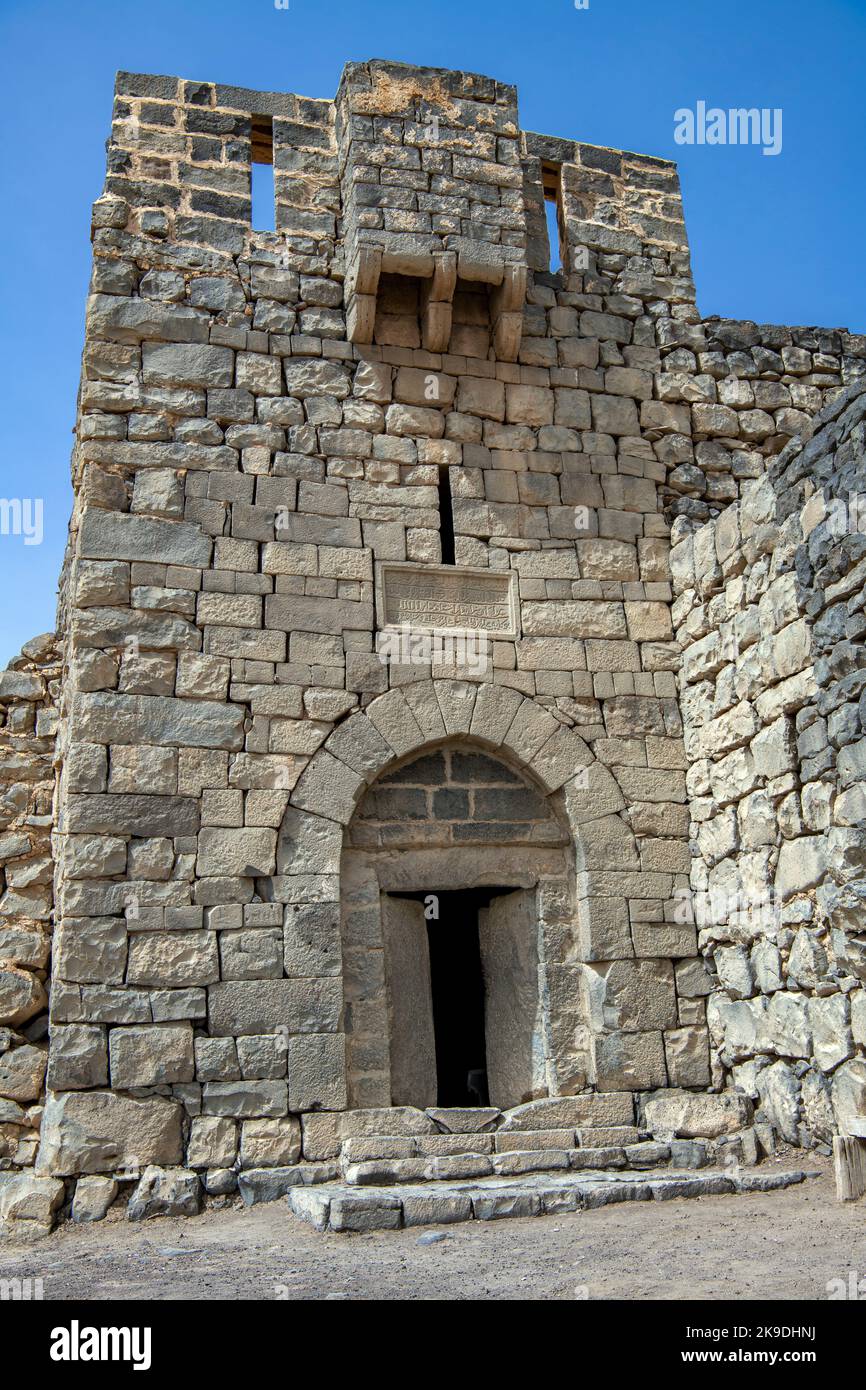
{"x": 368, "y": 651}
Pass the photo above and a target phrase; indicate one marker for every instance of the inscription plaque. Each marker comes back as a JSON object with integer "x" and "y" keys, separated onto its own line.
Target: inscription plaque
{"x": 447, "y": 598}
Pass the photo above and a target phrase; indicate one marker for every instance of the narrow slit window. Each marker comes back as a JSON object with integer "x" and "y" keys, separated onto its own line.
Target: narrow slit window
{"x": 446, "y": 517}
{"x": 550, "y": 176}
{"x": 262, "y": 180}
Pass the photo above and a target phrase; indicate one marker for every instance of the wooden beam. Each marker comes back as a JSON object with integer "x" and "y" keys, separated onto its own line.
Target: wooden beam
{"x": 551, "y": 175}
{"x": 262, "y": 140}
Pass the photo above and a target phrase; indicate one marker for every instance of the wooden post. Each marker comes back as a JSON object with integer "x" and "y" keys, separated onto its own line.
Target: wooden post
{"x": 849, "y": 1164}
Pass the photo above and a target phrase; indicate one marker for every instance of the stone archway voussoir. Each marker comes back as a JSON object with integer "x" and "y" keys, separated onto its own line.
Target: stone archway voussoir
{"x": 421, "y": 698}
{"x": 493, "y": 715}
{"x": 457, "y": 702}
{"x": 396, "y": 723}
{"x": 559, "y": 758}
{"x": 328, "y": 787}
{"x": 529, "y": 730}
{"x": 358, "y": 743}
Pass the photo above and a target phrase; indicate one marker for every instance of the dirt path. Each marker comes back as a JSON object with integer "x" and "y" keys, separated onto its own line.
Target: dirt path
{"x": 780, "y": 1245}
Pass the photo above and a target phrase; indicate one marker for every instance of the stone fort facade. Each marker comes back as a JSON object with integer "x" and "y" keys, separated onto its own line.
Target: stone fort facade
{"x": 453, "y": 729}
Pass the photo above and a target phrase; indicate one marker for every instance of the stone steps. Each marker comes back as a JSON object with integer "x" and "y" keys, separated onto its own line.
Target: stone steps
{"x": 402, "y": 1162}
{"x": 362, "y": 1148}
{"x": 374, "y": 1159}
{"x": 458, "y": 1159}
{"x": 342, "y": 1207}
{"x": 405, "y": 1146}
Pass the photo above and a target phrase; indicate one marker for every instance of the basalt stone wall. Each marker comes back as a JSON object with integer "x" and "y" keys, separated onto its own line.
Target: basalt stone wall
{"x": 770, "y": 615}
{"x": 452, "y": 797}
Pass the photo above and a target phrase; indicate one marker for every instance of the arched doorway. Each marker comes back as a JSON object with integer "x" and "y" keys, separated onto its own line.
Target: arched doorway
{"x": 620, "y": 986}
{"x": 444, "y": 942}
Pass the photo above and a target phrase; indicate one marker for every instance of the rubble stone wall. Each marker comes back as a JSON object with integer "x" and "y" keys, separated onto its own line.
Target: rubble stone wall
{"x": 29, "y": 692}
{"x": 769, "y": 612}
{"x": 743, "y": 390}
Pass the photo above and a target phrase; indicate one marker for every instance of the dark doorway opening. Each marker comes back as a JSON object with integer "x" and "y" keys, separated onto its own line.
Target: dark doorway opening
{"x": 457, "y": 989}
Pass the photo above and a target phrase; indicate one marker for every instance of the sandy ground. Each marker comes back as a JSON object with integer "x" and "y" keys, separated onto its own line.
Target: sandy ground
{"x": 779, "y": 1245}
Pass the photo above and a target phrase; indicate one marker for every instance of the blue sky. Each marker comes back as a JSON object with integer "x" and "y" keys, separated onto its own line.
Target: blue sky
{"x": 779, "y": 239}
